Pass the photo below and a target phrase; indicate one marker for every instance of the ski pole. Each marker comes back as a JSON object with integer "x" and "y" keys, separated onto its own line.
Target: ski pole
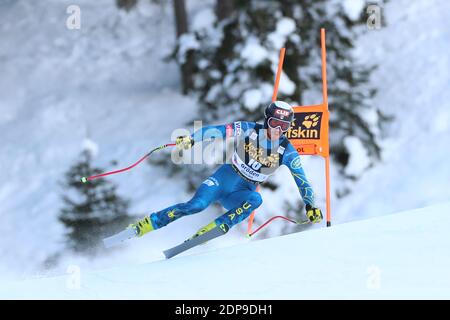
{"x": 84, "y": 179}
{"x": 302, "y": 222}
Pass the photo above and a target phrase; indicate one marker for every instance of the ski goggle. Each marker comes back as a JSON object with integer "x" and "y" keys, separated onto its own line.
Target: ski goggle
{"x": 275, "y": 123}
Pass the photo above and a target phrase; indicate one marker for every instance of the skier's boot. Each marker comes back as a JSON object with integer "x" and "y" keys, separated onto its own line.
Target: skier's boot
{"x": 203, "y": 230}
{"x": 142, "y": 226}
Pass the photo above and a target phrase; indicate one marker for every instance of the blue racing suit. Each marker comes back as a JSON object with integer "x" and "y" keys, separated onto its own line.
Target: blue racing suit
{"x": 234, "y": 184}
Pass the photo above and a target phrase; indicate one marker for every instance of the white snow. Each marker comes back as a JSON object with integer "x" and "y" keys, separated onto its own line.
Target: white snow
{"x": 253, "y": 53}
{"x": 204, "y": 19}
{"x": 399, "y": 256}
{"x": 359, "y": 158}
{"x": 370, "y": 116}
{"x": 285, "y": 26}
{"x": 266, "y": 91}
{"x": 90, "y": 146}
{"x": 287, "y": 86}
{"x": 353, "y": 8}
{"x": 252, "y": 99}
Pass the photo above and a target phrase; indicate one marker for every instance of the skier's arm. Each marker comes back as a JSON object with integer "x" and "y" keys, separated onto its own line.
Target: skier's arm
{"x": 223, "y": 131}
{"x": 292, "y": 160}
{"x": 209, "y": 133}
{"x": 203, "y": 134}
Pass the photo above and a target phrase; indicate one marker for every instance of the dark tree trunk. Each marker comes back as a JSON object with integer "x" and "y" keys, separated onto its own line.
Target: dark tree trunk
{"x": 182, "y": 27}
{"x": 180, "y": 17}
{"x": 224, "y": 8}
{"x": 126, "y": 4}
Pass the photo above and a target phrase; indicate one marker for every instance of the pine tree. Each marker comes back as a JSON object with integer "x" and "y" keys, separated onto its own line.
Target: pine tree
{"x": 93, "y": 210}
{"x": 236, "y": 61}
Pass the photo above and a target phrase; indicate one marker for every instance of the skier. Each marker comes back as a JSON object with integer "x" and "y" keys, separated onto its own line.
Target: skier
{"x": 259, "y": 150}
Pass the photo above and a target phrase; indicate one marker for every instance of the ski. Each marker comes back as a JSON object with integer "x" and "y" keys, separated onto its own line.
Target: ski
{"x": 120, "y": 237}
{"x": 130, "y": 233}
{"x": 190, "y": 243}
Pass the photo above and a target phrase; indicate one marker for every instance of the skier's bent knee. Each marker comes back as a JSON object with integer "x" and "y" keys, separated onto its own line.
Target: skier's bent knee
{"x": 255, "y": 200}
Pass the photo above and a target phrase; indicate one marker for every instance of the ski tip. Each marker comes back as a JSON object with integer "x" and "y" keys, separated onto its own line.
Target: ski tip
{"x": 119, "y": 238}
{"x": 84, "y": 180}
{"x": 170, "y": 253}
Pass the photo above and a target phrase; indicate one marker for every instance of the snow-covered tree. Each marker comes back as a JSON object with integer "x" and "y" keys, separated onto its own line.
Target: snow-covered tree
{"x": 236, "y": 60}
{"x": 92, "y": 210}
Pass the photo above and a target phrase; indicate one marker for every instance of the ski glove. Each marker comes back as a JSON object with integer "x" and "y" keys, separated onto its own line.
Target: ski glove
{"x": 184, "y": 142}
{"x": 314, "y": 214}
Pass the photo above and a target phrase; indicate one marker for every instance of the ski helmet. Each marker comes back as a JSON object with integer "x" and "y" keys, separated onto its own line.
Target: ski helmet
{"x": 278, "y": 114}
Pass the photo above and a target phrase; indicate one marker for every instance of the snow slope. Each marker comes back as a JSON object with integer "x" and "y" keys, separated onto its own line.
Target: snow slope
{"x": 402, "y": 255}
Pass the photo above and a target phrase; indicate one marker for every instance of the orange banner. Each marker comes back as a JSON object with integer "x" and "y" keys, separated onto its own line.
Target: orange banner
{"x": 309, "y": 131}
